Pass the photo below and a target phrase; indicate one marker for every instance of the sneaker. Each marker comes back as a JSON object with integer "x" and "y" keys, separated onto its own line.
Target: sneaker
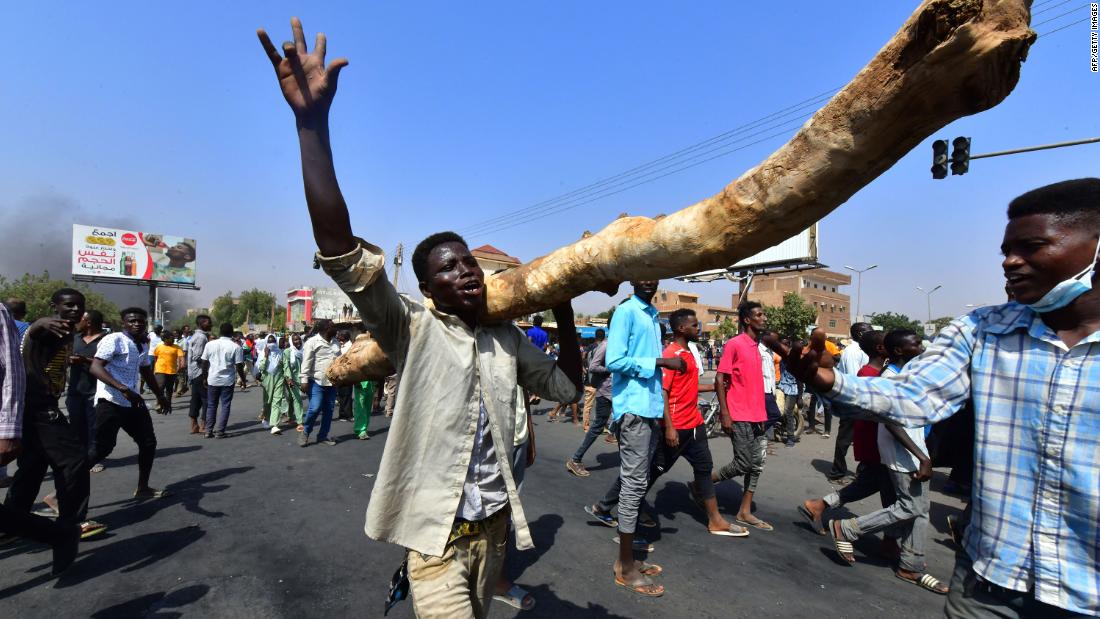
{"x": 576, "y": 468}
{"x": 303, "y": 439}
{"x": 209, "y": 435}
{"x": 601, "y": 516}
{"x": 327, "y": 441}
{"x": 275, "y": 430}
{"x": 220, "y": 435}
{"x": 825, "y": 435}
{"x": 364, "y": 437}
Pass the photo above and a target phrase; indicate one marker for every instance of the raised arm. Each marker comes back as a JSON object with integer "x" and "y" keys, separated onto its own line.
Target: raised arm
{"x": 309, "y": 87}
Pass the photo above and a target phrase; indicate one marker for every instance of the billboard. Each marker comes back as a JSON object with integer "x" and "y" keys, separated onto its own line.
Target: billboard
{"x": 798, "y": 251}
{"x": 129, "y": 254}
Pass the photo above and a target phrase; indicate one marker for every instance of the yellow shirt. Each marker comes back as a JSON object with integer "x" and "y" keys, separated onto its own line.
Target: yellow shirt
{"x": 830, "y": 348}
{"x": 168, "y": 356}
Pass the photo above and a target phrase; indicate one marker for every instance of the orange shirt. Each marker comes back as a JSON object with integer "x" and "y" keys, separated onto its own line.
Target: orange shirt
{"x": 168, "y": 358}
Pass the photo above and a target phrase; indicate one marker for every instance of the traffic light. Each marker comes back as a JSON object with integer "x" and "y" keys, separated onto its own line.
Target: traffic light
{"x": 960, "y": 155}
{"x": 939, "y": 159}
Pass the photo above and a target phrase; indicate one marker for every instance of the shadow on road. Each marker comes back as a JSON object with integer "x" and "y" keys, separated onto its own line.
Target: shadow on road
{"x": 605, "y": 460}
{"x": 129, "y": 555}
{"x": 550, "y": 605}
{"x": 543, "y": 531}
{"x": 188, "y": 493}
{"x": 154, "y": 604}
{"x": 163, "y": 452}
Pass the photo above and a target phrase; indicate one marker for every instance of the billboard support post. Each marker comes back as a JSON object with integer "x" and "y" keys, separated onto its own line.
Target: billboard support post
{"x": 153, "y": 301}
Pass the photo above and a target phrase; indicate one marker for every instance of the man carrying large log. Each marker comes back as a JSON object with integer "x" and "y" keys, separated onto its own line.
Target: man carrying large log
{"x": 443, "y": 491}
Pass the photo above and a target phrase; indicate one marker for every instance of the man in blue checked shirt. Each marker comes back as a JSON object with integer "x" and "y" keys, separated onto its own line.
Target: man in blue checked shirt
{"x": 1032, "y": 369}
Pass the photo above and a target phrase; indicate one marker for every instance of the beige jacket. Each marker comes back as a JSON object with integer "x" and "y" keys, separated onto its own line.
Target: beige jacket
{"x": 443, "y": 368}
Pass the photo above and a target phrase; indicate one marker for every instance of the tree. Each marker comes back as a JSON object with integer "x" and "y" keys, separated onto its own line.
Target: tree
{"x": 890, "y": 321}
{"x": 253, "y": 306}
{"x": 726, "y": 329}
{"x": 792, "y": 318}
{"x": 223, "y": 310}
{"x": 941, "y": 322}
{"x": 36, "y": 290}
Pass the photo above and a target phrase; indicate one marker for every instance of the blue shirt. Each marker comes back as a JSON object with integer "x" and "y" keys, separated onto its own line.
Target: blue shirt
{"x": 1036, "y": 491}
{"x": 21, "y": 327}
{"x": 538, "y": 337}
{"x": 633, "y": 347}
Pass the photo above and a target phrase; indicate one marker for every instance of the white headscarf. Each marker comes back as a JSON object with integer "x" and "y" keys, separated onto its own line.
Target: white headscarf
{"x": 274, "y": 356}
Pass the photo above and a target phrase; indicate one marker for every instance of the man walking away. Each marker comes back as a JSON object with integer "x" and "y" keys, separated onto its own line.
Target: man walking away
{"x": 852, "y": 359}
{"x": 119, "y": 359}
{"x": 318, "y": 353}
{"x": 168, "y": 357}
{"x": 221, "y": 360}
{"x": 600, "y": 379}
{"x": 196, "y": 373}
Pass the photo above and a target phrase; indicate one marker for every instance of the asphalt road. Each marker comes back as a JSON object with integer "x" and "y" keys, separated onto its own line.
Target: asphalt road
{"x": 259, "y": 527}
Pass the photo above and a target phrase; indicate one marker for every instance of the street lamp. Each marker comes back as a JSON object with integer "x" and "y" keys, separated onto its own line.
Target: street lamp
{"x": 928, "y": 297}
{"x": 859, "y": 284}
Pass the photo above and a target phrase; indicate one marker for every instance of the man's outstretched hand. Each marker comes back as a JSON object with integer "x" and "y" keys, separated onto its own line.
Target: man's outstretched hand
{"x": 812, "y": 364}
{"x": 307, "y": 84}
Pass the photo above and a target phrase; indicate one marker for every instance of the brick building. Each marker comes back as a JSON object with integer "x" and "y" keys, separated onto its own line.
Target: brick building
{"x": 818, "y": 287}
{"x": 710, "y": 316}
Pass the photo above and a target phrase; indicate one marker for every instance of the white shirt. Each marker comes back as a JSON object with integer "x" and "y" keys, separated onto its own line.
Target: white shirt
{"x": 124, "y": 358}
{"x": 223, "y": 354}
{"x": 852, "y": 359}
{"x": 154, "y": 340}
{"x": 483, "y": 491}
{"x": 767, "y": 365}
{"x": 694, "y": 348}
{"x": 890, "y": 451}
{"x": 317, "y": 354}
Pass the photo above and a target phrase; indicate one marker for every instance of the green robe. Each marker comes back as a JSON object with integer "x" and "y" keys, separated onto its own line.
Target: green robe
{"x": 289, "y": 370}
{"x": 275, "y": 391}
{"x": 361, "y": 405}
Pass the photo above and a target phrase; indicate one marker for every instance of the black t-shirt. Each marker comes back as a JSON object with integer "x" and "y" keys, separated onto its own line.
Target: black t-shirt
{"x": 46, "y": 358}
{"x": 81, "y": 381}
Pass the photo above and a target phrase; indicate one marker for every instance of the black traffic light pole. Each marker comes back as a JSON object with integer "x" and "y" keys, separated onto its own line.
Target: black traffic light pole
{"x": 960, "y": 157}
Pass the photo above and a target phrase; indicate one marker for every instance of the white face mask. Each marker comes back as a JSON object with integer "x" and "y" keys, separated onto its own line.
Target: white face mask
{"x": 1067, "y": 291}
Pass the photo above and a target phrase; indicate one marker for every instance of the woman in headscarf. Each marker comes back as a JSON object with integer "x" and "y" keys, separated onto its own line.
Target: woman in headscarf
{"x": 290, "y": 364}
{"x": 271, "y": 378}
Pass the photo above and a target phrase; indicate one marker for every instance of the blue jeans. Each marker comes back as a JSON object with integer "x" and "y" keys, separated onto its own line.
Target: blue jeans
{"x": 321, "y": 400}
{"x": 213, "y": 396}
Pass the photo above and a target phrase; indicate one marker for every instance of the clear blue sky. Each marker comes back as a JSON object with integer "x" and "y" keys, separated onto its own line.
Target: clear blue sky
{"x": 166, "y": 116}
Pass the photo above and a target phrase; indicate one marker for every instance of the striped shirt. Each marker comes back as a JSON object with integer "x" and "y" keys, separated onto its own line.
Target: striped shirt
{"x": 1036, "y": 491}
{"x": 13, "y": 378}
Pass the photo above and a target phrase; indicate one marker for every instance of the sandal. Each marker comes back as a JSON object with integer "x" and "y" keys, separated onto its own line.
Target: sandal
{"x": 91, "y": 528}
{"x": 150, "y": 493}
{"x": 843, "y": 547}
{"x": 927, "y": 582}
{"x": 757, "y": 524}
{"x": 732, "y": 531}
{"x": 642, "y": 587}
{"x": 517, "y": 597}
{"x": 601, "y": 516}
{"x": 650, "y": 569}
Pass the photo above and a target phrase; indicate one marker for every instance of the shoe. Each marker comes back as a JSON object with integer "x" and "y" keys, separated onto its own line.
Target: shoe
{"x": 576, "y": 468}
{"x": 209, "y": 435}
{"x": 601, "y": 516}
{"x": 790, "y": 443}
{"x": 264, "y": 424}
{"x": 220, "y": 435}
{"x": 275, "y": 431}
{"x": 810, "y": 431}
{"x": 364, "y": 437}
{"x": 825, "y": 435}
{"x": 303, "y": 439}
{"x": 327, "y": 441}
{"x": 97, "y": 468}
{"x": 836, "y": 476}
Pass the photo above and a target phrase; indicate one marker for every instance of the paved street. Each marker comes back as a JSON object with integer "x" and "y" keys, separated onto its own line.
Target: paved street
{"x": 258, "y": 527}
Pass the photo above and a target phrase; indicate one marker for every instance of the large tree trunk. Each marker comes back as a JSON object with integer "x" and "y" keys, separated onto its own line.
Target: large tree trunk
{"x": 952, "y": 58}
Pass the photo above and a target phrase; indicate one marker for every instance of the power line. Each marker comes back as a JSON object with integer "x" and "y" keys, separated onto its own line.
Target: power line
{"x": 1070, "y": 12}
{"x": 1034, "y": 13}
{"x": 666, "y": 159}
{"x": 1050, "y": 32}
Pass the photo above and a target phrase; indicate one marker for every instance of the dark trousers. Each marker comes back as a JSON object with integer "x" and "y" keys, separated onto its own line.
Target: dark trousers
{"x": 344, "y": 402}
{"x": 844, "y": 432}
{"x": 596, "y": 425}
{"x": 167, "y": 384}
{"x": 694, "y": 448}
{"x": 198, "y": 399}
{"x": 135, "y": 421}
{"x": 54, "y": 445}
{"x": 82, "y": 417}
{"x": 972, "y": 597}
{"x": 214, "y": 396}
{"x": 811, "y": 414}
{"x": 28, "y": 526}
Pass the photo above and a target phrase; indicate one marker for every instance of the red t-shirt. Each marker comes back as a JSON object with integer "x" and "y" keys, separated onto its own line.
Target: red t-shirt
{"x": 864, "y": 432}
{"x": 683, "y": 390}
{"x": 741, "y": 362}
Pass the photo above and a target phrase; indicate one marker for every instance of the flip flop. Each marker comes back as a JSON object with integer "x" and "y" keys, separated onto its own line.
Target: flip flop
{"x": 607, "y": 518}
{"x": 759, "y": 524}
{"x": 643, "y": 587}
{"x": 517, "y": 597}
{"x": 732, "y": 531}
{"x": 815, "y": 523}
{"x": 91, "y": 528}
{"x": 142, "y": 495}
{"x": 927, "y": 582}
{"x": 843, "y": 547}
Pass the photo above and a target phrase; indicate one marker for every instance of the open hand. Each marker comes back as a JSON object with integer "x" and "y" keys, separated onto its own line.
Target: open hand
{"x": 307, "y": 84}
{"x": 56, "y": 326}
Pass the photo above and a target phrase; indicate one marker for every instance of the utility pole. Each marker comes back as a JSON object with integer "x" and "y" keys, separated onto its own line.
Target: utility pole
{"x": 398, "y": 260}
{"x": 859, "y": 284}
{"x": 928, "y": 297}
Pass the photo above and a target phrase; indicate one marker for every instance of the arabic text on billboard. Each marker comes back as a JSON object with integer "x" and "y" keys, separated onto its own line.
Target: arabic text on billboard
{"x": 129, "y": 254}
